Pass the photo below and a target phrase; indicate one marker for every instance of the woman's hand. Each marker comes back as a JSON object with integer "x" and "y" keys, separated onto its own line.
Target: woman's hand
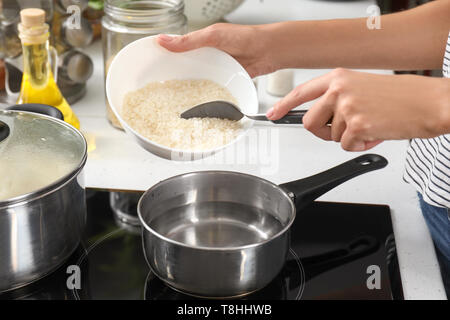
{"x": 247, "y": 44}
{"x": 367, "y": 108}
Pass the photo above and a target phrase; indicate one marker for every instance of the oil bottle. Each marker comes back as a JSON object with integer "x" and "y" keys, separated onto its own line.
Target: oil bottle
{"x": 38, "y": 81}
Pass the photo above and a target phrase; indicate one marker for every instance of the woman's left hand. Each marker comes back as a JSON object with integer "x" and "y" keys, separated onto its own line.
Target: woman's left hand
{"x": 368, "y": 108}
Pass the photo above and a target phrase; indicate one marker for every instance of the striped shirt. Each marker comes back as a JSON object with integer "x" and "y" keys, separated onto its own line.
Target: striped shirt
{"x": 428, "y": 160}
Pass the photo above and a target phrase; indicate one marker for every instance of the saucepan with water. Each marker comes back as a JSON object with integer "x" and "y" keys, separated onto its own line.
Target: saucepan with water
{"x": 220, "y": 234}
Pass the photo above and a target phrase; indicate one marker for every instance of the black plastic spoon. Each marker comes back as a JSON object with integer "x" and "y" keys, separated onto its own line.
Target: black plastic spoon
{"x": 227, "y": 110}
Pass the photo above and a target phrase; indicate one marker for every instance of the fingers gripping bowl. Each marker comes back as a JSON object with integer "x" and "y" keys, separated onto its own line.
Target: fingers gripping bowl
{"x": 144, "y": 61}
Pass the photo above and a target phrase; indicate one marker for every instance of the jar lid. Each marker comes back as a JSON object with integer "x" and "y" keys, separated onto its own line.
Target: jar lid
{"x": 37, "y": 153}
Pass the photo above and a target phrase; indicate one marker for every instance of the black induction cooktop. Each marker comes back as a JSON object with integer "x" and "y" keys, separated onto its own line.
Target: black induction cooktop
{"x": 338, "y": 251}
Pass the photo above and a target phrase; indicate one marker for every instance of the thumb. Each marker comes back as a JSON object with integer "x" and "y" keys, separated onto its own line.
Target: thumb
{"x": 371, "y": 144}
{"x": 303, "y": 93}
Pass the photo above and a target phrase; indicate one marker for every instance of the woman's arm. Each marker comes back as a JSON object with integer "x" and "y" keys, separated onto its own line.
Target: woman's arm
{"x": 366, "y": 108}
{"x": 409, "y": 40}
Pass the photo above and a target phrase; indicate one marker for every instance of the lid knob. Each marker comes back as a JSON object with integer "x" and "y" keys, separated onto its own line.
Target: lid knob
{"x": 4, "y": 131}
{"x": 32, "y": 17}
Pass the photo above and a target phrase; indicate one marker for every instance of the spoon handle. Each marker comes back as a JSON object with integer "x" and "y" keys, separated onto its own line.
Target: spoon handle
{"x": 258, "y": 117}
{"x": 292, "y": 117}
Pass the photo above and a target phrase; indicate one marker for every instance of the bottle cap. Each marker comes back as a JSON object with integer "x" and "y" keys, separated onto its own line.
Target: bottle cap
{"x": 32, "y": 17}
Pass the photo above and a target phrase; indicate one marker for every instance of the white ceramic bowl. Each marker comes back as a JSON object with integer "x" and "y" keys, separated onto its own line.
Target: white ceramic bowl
{"x": 144, "y": 61}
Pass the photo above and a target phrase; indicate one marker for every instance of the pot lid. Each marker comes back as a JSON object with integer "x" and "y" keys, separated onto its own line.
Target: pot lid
{"x": 36, "y": 152}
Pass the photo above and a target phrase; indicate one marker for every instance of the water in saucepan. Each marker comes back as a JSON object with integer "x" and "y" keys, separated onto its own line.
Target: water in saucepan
{"x": 216, "y": 224}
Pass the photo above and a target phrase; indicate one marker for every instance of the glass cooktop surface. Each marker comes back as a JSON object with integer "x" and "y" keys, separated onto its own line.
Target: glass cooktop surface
{"x": 338, "y": 251}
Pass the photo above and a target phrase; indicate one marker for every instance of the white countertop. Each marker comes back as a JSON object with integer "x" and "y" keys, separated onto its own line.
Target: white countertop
{"x": 116, "y": 162}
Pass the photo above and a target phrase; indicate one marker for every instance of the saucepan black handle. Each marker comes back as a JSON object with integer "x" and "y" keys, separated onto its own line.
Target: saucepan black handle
{"x": 38, "y": 108}
{"x": 308, "y": 189}
{"x": 356, "y": 249}
{"x": 4, "y": 131}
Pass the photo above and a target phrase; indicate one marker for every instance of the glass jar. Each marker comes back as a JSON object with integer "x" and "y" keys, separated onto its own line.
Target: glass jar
{"x": 124, "y": 206}
{"x": 126, "y": 21}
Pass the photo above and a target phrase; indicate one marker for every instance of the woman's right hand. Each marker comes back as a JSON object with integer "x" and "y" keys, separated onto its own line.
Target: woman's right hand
{"x": 249, "y": 45}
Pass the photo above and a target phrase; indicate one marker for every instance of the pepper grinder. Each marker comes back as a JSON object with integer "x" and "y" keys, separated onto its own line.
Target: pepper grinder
{"x": 74, "y": 67}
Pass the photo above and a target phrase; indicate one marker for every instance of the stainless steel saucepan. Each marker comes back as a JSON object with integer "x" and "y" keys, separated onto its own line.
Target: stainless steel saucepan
{"x": 224, "y": 234}
{"x": 42, "y": 194}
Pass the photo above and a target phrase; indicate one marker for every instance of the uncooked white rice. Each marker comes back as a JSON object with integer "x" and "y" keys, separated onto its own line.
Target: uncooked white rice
{"x": 154, "y": 111}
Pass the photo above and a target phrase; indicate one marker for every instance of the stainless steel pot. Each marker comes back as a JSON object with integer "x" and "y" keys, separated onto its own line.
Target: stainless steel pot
{"x": 226, "y": 234}
{"x": 41, "y": 228}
